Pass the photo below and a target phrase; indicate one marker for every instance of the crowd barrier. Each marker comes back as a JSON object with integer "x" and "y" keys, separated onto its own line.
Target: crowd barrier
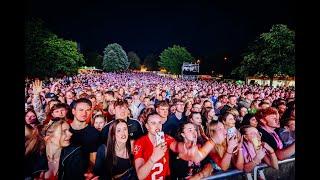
{"x": 257, "y": 170}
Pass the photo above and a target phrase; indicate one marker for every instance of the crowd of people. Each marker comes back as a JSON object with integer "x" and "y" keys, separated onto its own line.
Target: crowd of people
{"x": 109, "y": 126}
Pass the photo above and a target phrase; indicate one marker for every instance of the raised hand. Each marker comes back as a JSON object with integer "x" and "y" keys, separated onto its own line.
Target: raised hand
{"x": 37, "y": 87}
{"x": 232, "y": 142}
{"x": 159, "y": 151}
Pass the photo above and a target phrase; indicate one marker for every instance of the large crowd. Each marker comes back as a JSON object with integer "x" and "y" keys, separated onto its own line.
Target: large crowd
{"x": 144, "y": 126}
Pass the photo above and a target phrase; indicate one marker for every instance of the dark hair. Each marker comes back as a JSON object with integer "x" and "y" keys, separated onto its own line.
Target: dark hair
{"x": 121, "y": 103}
{"x": 82, "y": 100}
{"x": 243, "y": 129}
{"x": 144, "y": 114}
{"x": 246, "y": 119}
{"x": 111, "y": 159}
{"x": 178, "y": 136}
{"x": 32, "y": 110}
{"x": 34, "y": 143}
{"x": 111, "y": 93}
{"x": 162, "y": 103}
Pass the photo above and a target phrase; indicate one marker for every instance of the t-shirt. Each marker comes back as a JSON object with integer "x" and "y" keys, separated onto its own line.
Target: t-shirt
{"x": 88, "y": 138}
{"x": 143, "y": 148}
{"x": 269, "y": 139}
{"x": 134, "y": 128}
{"x": 172, "y": 124}
{"x": 183, "y": 169}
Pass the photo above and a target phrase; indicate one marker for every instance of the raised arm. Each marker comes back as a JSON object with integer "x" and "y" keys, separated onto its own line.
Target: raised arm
{"x": 36, "y": 101}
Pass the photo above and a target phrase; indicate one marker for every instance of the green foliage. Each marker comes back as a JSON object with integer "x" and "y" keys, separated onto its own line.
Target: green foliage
{"x": 115, "y": 58}
{"x": 272, "y": 53}
{"x": 94, "y": 59}
{"x": 134, "y": 60}
{"x": 150, "y": 62}
{"x": 172, "y": 58}
{"x": 46, "y": 54}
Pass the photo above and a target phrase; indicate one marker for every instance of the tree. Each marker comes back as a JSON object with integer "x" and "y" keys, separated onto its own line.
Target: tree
{"x": 46, "y": 54}
{"x": 94, "y": 59}
{"x": 115, "y": 58}
{"x": 150, "y": 62}
{"x": 172, "y": 58}
{"x": 273, "y": 53}
{"x": 134, "y": 60}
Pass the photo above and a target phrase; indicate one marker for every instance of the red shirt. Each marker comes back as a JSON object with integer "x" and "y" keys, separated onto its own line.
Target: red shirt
{"x": 143, "y": 148}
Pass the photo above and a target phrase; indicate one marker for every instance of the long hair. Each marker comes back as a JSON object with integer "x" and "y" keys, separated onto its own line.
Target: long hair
{"x": 111, "y": 159}
{"x": 34, "y": 143}
{"x": 219, "y": 148}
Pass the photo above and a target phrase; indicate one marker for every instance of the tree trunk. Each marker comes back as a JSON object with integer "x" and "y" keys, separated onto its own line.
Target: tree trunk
{"x": 271, "y": 80}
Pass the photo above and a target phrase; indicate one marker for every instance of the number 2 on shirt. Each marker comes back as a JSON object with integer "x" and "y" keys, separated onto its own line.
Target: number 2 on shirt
{"x": 153, "y": 176}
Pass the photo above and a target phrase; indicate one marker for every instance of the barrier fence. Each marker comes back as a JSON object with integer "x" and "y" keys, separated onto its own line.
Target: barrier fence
{"x": 257, "y": 170}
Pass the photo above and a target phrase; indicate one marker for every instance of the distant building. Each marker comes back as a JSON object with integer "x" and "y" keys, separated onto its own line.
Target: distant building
{"x": 281, "y": 81}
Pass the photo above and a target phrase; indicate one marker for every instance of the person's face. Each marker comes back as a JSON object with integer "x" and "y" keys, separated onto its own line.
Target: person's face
{"x": 99, "y": 123}
{"x": 61, "y": 136}
{"x": 233, "y": 100}
{"x": 82, "y": 111}
{"x": 180, "y": 107}
{"x": 207, "y": 105}
{"x": 224, "y": 100}
{"x": 282, "y": 108}
{"x": 250, "y": 97}
{"x": 173, "y": 109}
{"x": 189, "y": 132}
{"x": 121, "y": 112}
{"x": 291, "y": 126}
{"x": 243, "y": 112}
{"x": 230, "y": 121}
{"x": 196, "y": 108}
{"x": 154, "y": 124}
{"x": 99, "y": 97}
{"x": 121, "y": 132}
{"x": 272, "y": 121}
{"x": 251, "y": 134}
{"x": 111, "y": 109}
{"x": 163, "y": 111}
{"x": 61, "y": 113}
{"x": 30, "y": 118}
{"x": 196, "y": 119}
{"x": 220, "y": 132}
{"x": 69, "y": 95}
{"x": 146, "y": 102}
{"x": 253, "y": 122}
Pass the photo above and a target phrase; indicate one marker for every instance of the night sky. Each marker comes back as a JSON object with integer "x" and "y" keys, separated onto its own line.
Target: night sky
{"x": 209, "y": 30}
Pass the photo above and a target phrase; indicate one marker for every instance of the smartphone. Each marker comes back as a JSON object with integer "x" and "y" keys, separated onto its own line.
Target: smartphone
{"x": 231, "y": 132}
{"x": 160, "y": 137}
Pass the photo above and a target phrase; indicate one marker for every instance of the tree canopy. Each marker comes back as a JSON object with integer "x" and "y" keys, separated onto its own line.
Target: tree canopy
{"x": 134, "y": 60}
{"x": 172, "y": 58}
{"x": 273, "y": 53}
{"x": 48, "y": 55}
{"x": 115, "y": 58}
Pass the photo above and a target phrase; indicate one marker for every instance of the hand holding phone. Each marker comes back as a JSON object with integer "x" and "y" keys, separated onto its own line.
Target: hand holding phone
{"x": 160, "y": 137}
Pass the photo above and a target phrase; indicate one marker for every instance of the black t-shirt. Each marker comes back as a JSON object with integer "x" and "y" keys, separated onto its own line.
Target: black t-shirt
{"x": 182, "y": 169}
{"x": 88, "y": 138}
{"x": 134, "y": 128}
{"x": 172, "y": 124}
{"x": 34, "y": 164}
{"x": 268, "y": 138}
{"x": 100, "y": 167}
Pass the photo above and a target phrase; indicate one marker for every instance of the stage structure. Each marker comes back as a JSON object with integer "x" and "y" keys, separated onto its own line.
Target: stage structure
{"x": 189, "y": 71}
